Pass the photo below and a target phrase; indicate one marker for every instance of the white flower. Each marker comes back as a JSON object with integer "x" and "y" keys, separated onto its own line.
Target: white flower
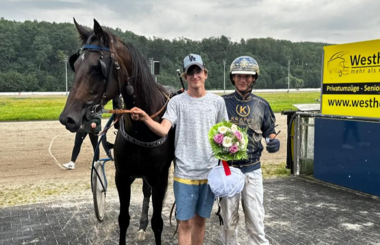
{"x": 237, "y": 143}
{"x": 227, "y": 142}
{"x": 223, "y": 130}
{"x": 242, "y": 146}
{"x": 234, "y": 128}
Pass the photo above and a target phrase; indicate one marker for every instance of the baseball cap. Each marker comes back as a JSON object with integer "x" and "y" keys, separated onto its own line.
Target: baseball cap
{"x": 192, "y": 59}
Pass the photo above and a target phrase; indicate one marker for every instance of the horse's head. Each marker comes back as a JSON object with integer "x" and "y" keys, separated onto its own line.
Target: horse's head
{"x": 95, "y": 80}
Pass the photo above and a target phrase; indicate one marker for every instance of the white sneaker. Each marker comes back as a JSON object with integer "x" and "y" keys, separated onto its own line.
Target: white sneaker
{"x": 70, "y": 165}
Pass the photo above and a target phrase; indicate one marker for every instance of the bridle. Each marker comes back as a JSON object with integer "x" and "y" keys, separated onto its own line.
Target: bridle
{"x": 106, "y": 70}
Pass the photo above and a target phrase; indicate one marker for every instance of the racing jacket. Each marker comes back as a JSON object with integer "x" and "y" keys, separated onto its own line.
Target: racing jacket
{"x": 255, "y": 114}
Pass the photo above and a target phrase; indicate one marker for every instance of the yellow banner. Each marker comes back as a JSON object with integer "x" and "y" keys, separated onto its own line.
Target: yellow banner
{"x": 351, "y": 105}
{"x": 351, "y": 79}
{"x": 352, "y": 63}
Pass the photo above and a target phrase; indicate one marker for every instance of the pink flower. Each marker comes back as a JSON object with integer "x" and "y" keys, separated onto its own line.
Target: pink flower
{"x": 233, "y": 149}
{"x": 238, "y": 135}
{"x": 218, "y": 139}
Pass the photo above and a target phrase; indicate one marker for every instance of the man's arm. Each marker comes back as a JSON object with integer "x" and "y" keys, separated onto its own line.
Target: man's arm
{"x": 269, "y": 123}
{"x": 161, "y": 129}
{"x": 273, "y": 144}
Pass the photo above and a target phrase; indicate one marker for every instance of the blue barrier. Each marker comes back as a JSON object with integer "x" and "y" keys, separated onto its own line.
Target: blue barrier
{"x": 347, "y": 153}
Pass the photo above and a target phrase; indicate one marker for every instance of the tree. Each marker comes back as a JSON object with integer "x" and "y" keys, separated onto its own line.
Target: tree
{"x": 296, "y": 82}
{"x": 32, "y": 53}
{"x": 42, "y": 50}
{"x": 12, "y": 81}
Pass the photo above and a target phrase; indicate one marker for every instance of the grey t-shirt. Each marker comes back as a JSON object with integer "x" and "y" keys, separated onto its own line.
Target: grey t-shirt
{"x": 194, "y": 117}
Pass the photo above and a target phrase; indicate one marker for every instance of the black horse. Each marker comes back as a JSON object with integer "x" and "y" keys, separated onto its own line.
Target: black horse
{"x": 105, "y": 67}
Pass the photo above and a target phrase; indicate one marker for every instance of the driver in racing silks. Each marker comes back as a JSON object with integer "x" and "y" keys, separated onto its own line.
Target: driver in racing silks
{"x": 254, "y": 113}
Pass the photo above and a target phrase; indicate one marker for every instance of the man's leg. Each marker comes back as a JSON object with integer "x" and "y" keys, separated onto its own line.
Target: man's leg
{"x": 203, "y": 211}
{"x": 184, "y": 232}
{"x": 198, "y": 230}
{"x": 253, "y": 206}
{"x": 230, "y": 215}
{"x": 186, "y": 196}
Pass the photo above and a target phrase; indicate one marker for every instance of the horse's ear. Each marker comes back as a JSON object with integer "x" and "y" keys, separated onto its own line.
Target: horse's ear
{"x": 83, "y": 33}
{"x": 100, "y": 34}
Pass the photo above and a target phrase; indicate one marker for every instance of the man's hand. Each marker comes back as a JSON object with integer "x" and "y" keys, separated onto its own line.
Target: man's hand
{"x": 138, "y": 114}
{"x": 93, "y": 125}
{"x": 273, "y": 146}
{"x": 161, "y": 129}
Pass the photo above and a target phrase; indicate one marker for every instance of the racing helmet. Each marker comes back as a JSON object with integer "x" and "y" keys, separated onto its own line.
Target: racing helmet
{"x": 244, "y": 65}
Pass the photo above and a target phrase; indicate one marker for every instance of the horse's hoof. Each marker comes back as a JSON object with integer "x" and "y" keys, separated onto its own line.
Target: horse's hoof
{"x": 141, "y": 235}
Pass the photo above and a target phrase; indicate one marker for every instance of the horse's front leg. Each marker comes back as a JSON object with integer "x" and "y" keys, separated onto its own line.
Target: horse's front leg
{"x": 147, "y": 190}
{"x": 158, "y": 195}
{"x": 124, "y": 189}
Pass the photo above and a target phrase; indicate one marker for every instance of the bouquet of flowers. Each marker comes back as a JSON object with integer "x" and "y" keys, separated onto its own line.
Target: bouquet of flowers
{"x": 228, "y": 141}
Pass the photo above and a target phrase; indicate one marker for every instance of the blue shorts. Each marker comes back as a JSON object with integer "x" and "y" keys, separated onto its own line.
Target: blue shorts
{"x": 192, "y": 197}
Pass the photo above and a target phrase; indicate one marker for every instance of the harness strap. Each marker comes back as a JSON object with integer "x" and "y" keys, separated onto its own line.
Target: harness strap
{"x": 88, "y": 46}
{"x": 129, "y": 138}
{"x": 170, "y": 219}
{"x": 218, "y": 212}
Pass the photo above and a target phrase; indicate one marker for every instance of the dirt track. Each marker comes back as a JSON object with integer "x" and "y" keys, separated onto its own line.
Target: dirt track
{"x": 29, "y": 173}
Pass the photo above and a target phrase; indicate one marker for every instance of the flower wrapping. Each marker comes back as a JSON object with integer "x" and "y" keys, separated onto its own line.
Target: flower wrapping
{"x": 228, "y": 141}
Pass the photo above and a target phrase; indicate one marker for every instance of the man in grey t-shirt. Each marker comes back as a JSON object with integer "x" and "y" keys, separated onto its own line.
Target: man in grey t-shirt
{"x": 193, "y": 112}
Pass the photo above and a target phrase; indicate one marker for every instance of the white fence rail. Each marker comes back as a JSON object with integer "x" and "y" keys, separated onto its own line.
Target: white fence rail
{"x": 213, "y": 91}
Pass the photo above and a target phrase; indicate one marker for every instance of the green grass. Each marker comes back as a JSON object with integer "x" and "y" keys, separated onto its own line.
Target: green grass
{"x": 275, "y": 170}
{"x": 26, "y": 108}
{"x": 284, "y": 101}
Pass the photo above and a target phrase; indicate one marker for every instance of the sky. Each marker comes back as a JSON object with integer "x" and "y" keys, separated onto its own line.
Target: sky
{"x": 328, "y": 21}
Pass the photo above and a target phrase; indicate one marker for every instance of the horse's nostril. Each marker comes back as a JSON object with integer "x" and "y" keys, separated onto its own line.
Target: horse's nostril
{"x": 70, "y": 121}
{"x": 70, "y": 124}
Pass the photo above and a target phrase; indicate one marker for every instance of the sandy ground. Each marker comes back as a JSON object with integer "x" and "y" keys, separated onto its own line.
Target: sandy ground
{"x": 31, "y": 155}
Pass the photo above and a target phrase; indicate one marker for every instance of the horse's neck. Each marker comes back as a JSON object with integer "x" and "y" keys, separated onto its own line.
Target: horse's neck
{"x": 148, "y": 107}
{"x": 138, "y": 129}
{"x": 129, "y": 102}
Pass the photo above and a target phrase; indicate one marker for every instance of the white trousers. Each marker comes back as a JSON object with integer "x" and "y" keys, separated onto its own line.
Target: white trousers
{"x": 253, "y": 208}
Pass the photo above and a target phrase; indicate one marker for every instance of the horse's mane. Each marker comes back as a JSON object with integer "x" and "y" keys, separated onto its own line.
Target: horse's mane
{"x": 148, "y": 93}
{"x": 143, "y": 81}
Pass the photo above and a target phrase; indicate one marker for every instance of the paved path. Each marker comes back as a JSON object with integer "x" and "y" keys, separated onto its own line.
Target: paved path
{"x": 298, "y": 211}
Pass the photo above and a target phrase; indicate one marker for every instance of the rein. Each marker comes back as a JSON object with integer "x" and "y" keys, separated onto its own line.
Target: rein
{"x": 121, "y": 111}
{"x": 162, "y": 108}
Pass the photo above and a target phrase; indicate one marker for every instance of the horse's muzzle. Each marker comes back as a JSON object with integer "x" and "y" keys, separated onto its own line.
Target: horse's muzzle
{"x": 69, "y": 123}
